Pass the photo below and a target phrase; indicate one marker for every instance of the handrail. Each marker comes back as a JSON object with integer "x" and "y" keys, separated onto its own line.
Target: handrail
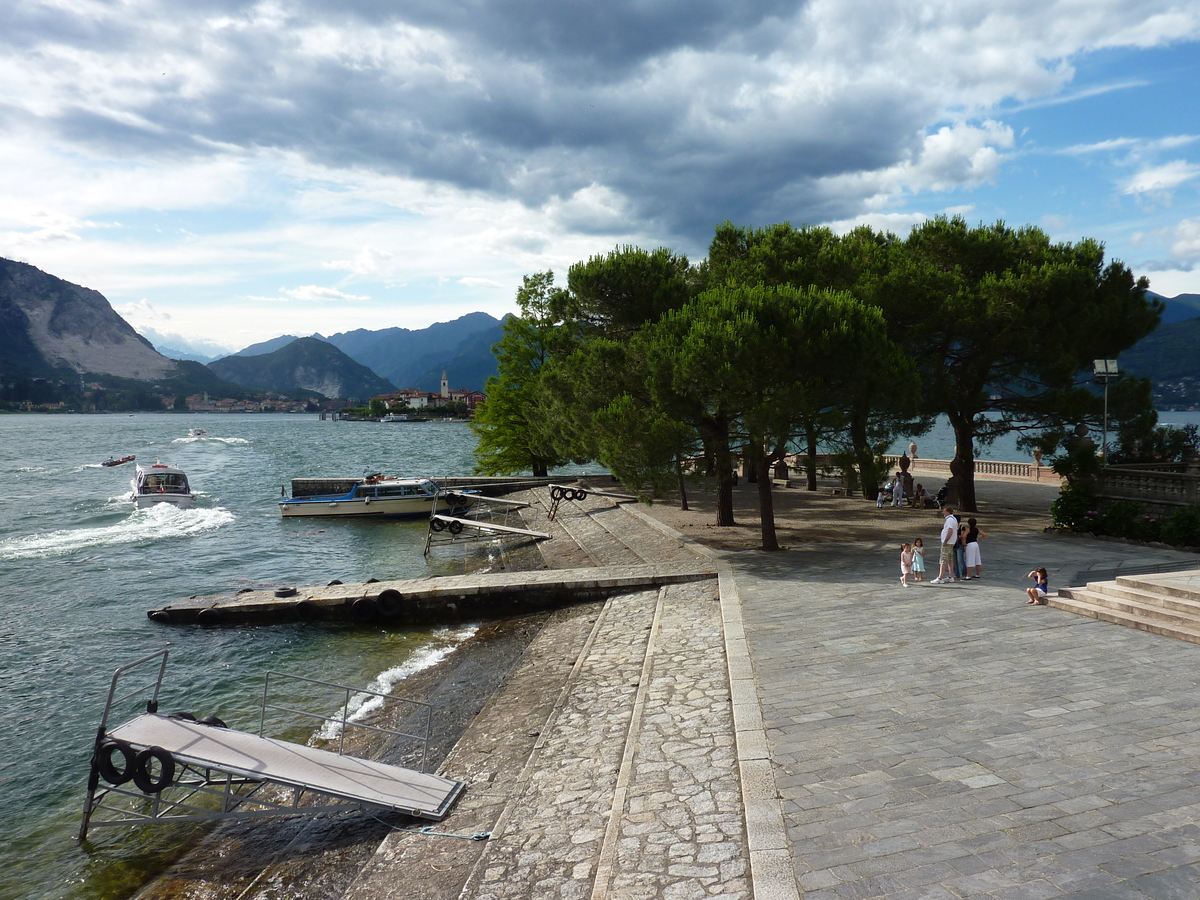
{"x": 427, "y": 708}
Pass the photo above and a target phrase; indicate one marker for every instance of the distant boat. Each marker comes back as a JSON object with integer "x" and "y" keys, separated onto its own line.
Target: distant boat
{"x": 197, "y": 432}
{"x": 400, "y": 418}
{"x": 112, "y": 461}
{"x": 375, "y": 495}
{"x": 160, "y": 483}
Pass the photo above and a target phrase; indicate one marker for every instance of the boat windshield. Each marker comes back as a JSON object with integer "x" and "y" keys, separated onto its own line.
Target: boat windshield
{"x": 166, "y": 483}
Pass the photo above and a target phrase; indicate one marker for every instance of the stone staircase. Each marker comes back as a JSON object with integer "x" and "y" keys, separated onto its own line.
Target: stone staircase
{"x": 1167, "y": 604}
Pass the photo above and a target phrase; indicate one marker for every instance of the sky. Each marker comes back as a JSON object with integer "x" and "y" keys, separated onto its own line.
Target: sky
{"x": 225, "y": 172}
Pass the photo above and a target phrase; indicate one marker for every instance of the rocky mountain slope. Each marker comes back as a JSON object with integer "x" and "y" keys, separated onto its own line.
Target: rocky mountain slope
{"x": 52, "y": 327}
{"x": 305, "y": 364}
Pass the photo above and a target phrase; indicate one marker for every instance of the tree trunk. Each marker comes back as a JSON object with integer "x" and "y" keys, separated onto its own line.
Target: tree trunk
{"x": 683, "y": 504}
{"x": 810, "y": 462}
{"x": 540, "y": 469}
{"x": 962, "y": 467}
{"x": 716, "y": 431}
{"x": 766, "y": 503}
{"x": 868, "y": 472}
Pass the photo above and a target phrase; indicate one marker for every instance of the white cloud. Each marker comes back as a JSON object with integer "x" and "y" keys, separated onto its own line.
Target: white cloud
{"x": 1161, "y": 179}
{"x": 479, "y": 282}
{"x": 368, "y": 261}
{"x": 312, "y": 293}
{"x": 1185, "y": 244}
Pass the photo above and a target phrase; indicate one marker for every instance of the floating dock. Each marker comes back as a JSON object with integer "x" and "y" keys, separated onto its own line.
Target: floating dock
{"x": 427, "y": 601}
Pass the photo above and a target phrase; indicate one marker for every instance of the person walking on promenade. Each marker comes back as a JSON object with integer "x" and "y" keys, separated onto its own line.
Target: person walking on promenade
{"x": 1041, "y": 587}
{"x": 882, "y": 496}
{"x": 974, "y": 536}
{"x": 898, "y": 490}
{"x": 918, "y": 560}
{"x": 906, "y": 563}
{"x": 949, "y": 537}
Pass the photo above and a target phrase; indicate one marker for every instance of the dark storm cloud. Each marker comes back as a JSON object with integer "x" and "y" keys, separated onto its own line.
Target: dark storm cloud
{"x": 680, "y": 108}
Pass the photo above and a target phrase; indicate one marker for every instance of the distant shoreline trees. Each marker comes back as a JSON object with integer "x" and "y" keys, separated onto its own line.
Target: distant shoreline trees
{"x": 785, "y": 338}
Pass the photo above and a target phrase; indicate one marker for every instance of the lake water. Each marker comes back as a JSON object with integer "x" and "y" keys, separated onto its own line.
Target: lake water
{"x": 79, "y": 567}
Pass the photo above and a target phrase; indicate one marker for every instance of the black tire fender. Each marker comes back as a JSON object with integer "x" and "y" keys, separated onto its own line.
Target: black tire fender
{"x": 305, "y": 610}
{"x": 286, "y": 592}
{"x": 212, "y": 722}
{"x": 456, "y": 527}
{"x": 437, "y": 525}
{"x": 334, "y": 582}
{"x": 208, "y": 616}
{"x": 104, "y": 761}
{"x": 580, "y": 494}
{"x": 364, "y": 609}
{"x": 389, "y": 603}
{"x": 556, "y": 493}
{"x": 180, "y": 714}
{"x": 147, "y": 782}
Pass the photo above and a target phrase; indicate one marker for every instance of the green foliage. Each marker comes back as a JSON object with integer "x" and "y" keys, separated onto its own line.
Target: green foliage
{"x": 1183, "y": 527}
{"x": 1009, "y": 320}
{"x": 1075, "y": 508}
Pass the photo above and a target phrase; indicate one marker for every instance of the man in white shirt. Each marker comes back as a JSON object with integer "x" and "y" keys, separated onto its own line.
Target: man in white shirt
{"x": 949, "y": 539}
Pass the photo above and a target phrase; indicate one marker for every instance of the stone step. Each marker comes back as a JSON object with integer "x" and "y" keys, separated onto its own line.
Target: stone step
{"x": 1148, "y": 606}
{"x": 1183, "y": 585}
{"x": 1083, "y": 603}
{"x": 1142, "y": 596}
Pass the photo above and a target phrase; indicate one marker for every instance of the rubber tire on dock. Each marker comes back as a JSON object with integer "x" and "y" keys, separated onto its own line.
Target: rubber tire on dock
{"x": 104, "y": 761}
{"x": 305, "y": 610}
{"x": 364, "y": 610}
{"x": 212, "y": 722}
{"x": 286, "y": 592}
{"x": 146, "y": 782}
{"x": 389, "y": 603}
{"x": 208, "y": 616}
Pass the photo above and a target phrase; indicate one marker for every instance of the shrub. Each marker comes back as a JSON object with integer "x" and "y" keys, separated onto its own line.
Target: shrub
{"x": 1183, "y": 528}
{"x": 1075, "y": 508}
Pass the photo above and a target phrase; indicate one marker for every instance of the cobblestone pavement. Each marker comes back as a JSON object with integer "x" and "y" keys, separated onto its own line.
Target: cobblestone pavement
{"x": 634, "y": 793}
{"x": 952, "y": 742}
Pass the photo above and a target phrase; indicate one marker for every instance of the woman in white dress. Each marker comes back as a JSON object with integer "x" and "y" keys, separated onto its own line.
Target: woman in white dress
{"x": 973, "y": 536}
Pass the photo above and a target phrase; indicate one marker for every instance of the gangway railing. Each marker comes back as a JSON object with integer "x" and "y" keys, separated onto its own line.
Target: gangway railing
{"x": 183, "y": 769}
{"x": 477, "y": 522}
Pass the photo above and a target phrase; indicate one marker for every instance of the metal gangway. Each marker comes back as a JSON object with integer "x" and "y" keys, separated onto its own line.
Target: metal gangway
{"x": 174, "y": 768}
{"x": 478, "y": 523}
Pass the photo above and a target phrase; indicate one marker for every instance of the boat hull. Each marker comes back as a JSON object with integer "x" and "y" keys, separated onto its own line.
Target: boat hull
{"x": 397, "y": 507}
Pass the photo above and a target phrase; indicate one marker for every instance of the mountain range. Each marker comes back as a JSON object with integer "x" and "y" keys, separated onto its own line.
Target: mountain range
{"x": 53, "y": 329}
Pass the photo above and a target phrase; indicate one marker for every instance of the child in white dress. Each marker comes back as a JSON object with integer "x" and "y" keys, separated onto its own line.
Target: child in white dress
{"x": 906, "y": 563}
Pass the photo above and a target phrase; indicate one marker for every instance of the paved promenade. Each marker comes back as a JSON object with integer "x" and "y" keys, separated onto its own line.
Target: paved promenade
{"x": 803, "y": 726}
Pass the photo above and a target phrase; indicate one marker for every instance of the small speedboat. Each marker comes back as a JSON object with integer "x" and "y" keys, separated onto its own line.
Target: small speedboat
{"x": 113, "y": 461}
{"x": 160, "y": 483}
{"x": 197, "y": 432}
{"x": 373, "y": 495}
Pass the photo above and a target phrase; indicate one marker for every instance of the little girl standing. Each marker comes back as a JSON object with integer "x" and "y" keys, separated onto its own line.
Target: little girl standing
{"x": 918, "y": 560}
{"x": 906, "y": 563}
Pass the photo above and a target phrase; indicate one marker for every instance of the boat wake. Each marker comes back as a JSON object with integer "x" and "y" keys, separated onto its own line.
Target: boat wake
{"x": 209, "y": 439}
{"x": 363, "y": 705}
{"x": 159, "y": 522}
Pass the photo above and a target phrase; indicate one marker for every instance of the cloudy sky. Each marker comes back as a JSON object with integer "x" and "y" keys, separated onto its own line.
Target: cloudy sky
{"x": 229, "y": 171}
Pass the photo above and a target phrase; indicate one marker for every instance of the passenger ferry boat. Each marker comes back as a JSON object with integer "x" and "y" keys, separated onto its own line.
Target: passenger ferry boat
{"x": 374, "y": 495}
{"x": 160, "y": 483}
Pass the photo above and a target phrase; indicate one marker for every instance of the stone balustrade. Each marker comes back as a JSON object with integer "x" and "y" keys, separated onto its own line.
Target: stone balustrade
{"x": 1152, "y": 486}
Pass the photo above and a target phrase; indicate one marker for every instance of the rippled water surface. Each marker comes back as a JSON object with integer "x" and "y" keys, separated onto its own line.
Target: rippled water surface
{"x": 79, "y": 568}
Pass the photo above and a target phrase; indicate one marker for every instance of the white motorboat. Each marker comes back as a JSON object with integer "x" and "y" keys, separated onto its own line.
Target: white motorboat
{"x": 160, "y": 483}
{"x": 374, "y": 495}
{"x": 197, "y": 432}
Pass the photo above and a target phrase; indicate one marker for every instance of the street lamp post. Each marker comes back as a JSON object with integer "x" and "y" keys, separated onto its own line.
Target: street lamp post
{"x": 1105, "y": 369}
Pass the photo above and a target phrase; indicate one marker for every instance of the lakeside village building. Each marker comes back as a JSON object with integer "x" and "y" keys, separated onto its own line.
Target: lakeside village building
{"x": 411, "y": 398}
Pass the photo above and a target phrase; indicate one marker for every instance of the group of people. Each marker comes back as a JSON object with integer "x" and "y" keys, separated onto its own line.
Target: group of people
{"x": 958, "y": 555}
{"x": 894, "y": 491}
